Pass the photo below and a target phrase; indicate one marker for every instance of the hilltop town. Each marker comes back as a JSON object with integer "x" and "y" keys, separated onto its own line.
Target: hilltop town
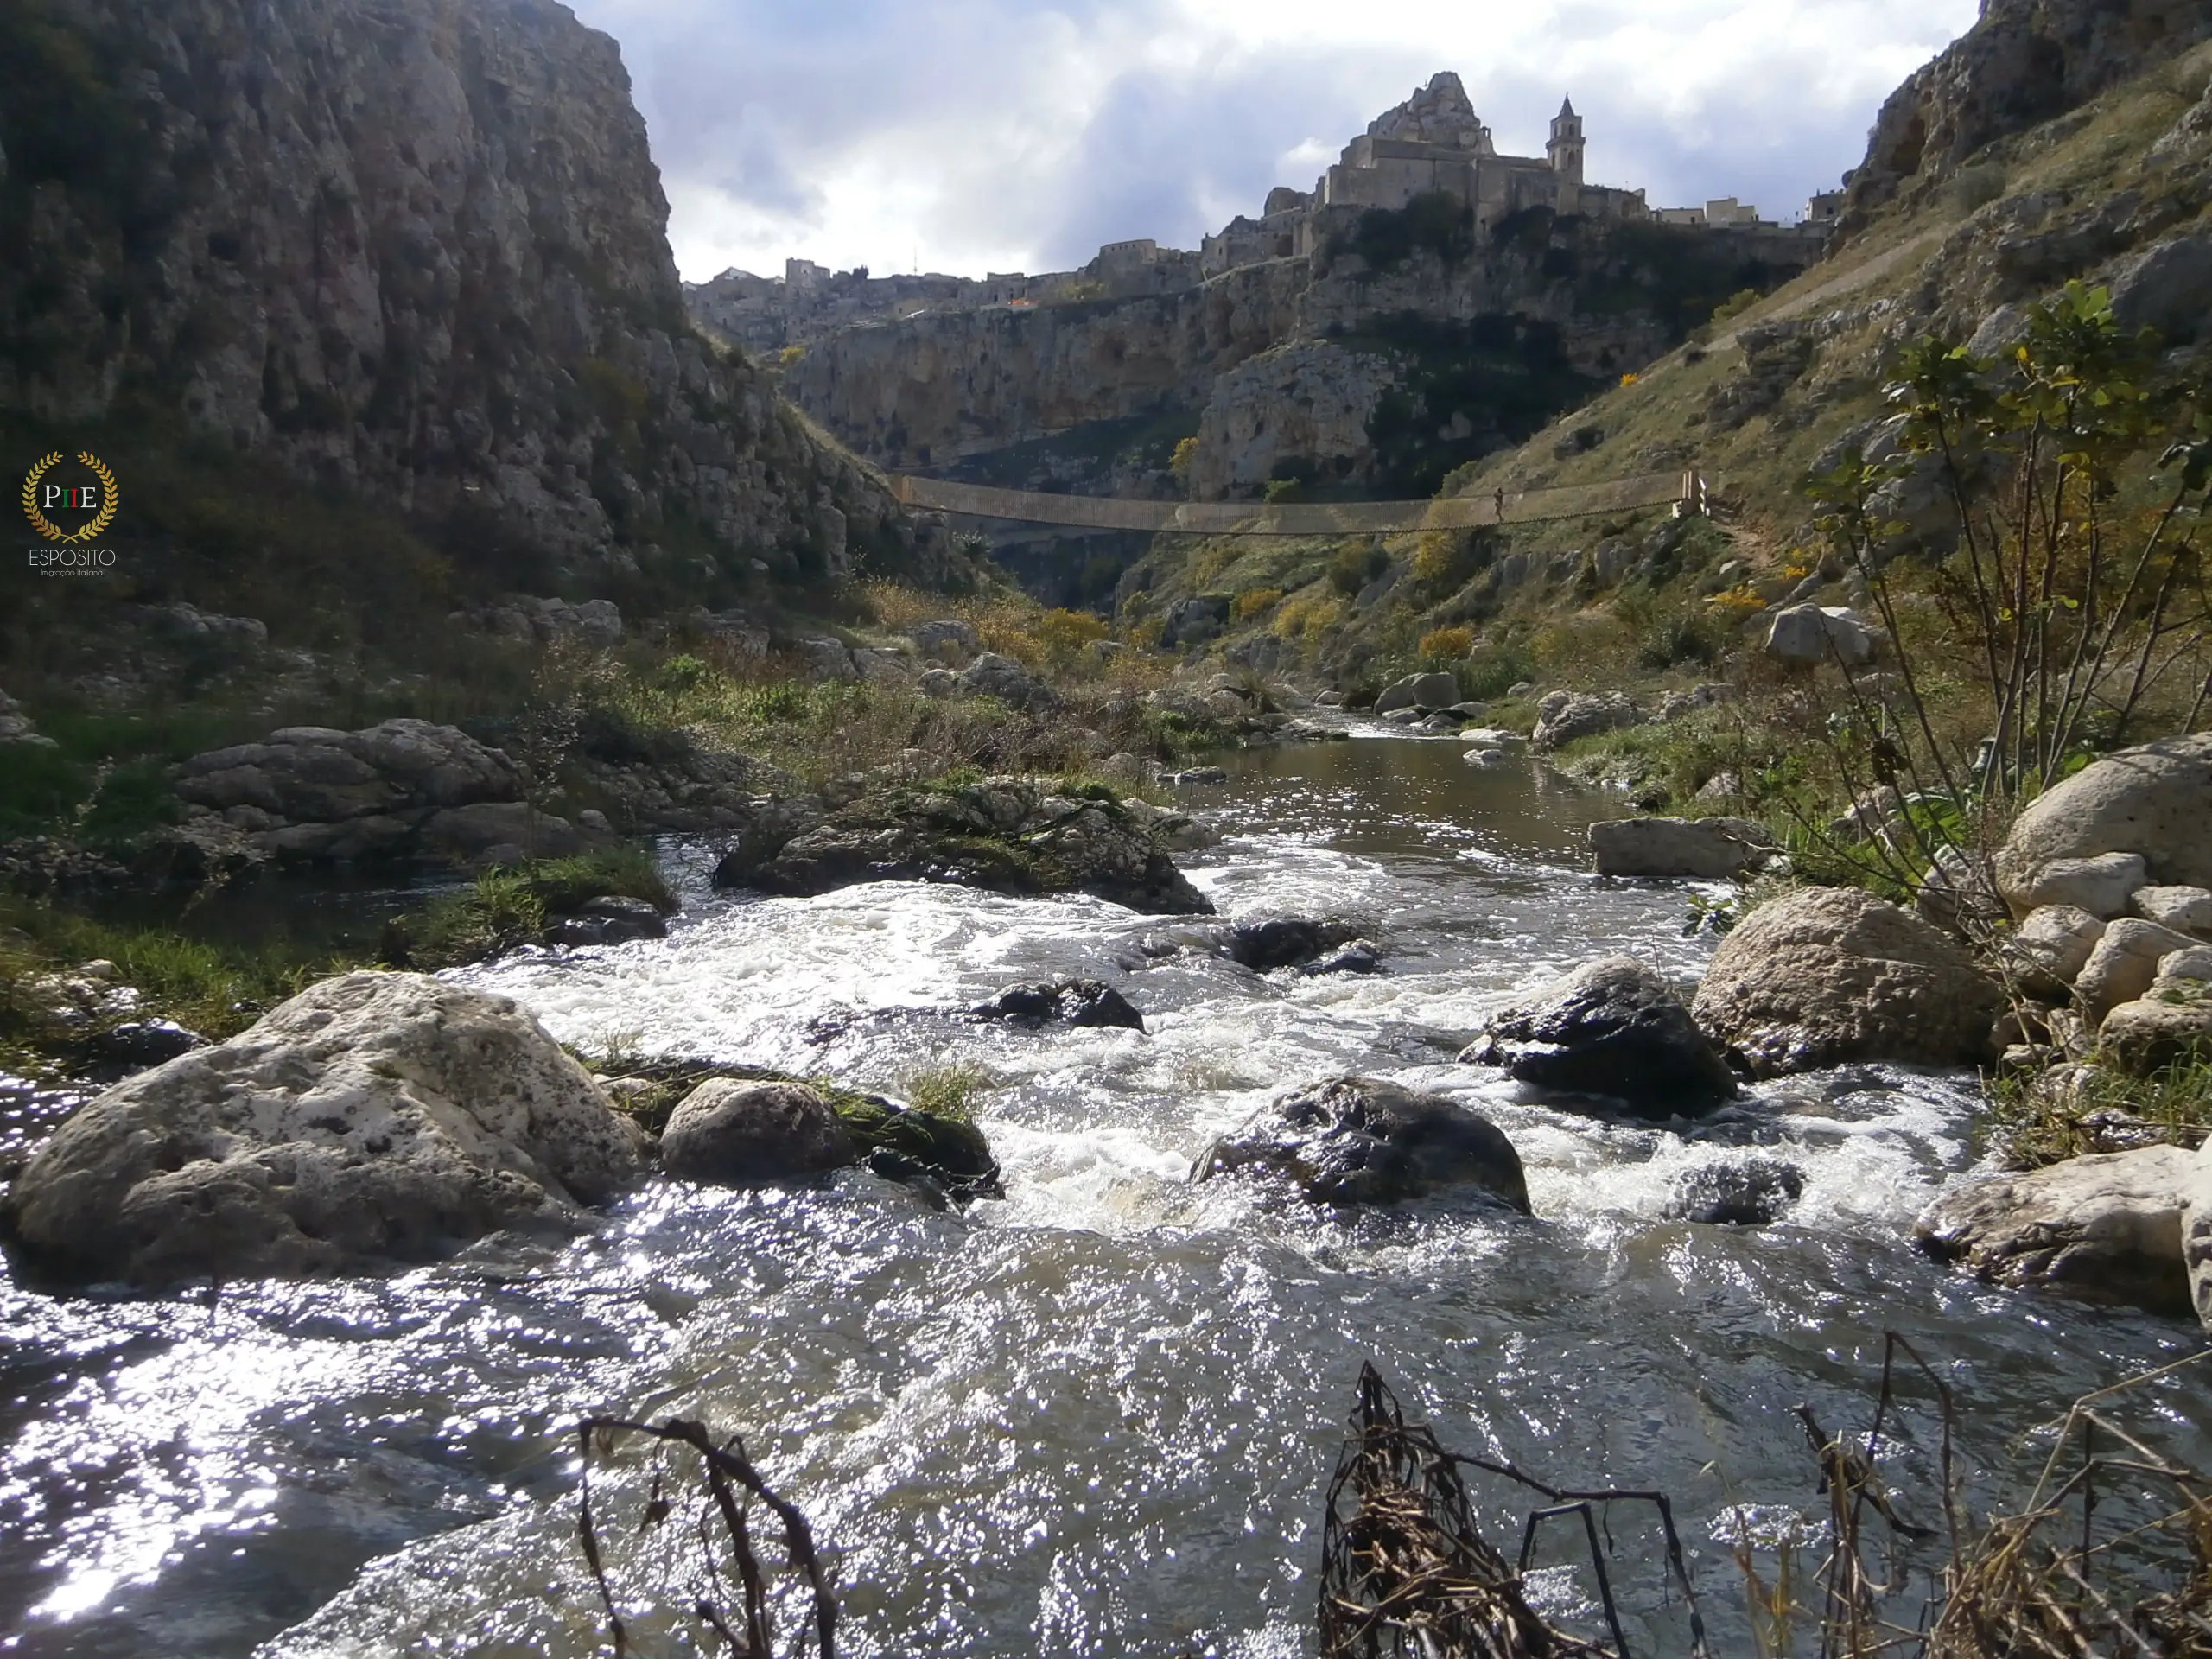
{"x": 1432, "y": 144}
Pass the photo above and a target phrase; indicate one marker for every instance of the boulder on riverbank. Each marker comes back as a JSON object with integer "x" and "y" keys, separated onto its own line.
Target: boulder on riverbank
{"x": 373, "y": 1118}
{"x": 1363, "y": 1141}
{"x": 1015, "y": 835}
{"x": 2107, "y": 1227}
{"x": 1826, "y": 975}
{"x": 1707, "y": 849}
{"x": 1613, "y": 1028}
{"x": 2153, "y": 802}
{"x": 1563, "y": 716}
{"x": 405, "y": 789}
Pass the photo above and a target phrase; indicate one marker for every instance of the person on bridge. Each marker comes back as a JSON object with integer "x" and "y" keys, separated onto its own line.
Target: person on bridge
{"x": 1501, "y": 504}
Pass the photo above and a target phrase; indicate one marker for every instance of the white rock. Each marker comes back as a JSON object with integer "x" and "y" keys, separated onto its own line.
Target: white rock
{"x": 2155, "y": 800}
{"x": 2102, "y": 885}
{"x": 2106, "y": 1228}
{"x": 373, "y": 1118}
{"x": 2186, "y": 910}
{"x": 2050, "y": 948}
{"x": 1815, "y": 634}
{"x": 2124, "y": 964}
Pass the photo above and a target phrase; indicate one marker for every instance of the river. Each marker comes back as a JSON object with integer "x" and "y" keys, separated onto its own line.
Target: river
{"x": 1098, "y": 1417}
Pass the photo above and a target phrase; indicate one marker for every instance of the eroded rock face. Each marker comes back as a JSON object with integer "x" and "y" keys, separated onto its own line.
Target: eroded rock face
{"x": 2023, "y": 62}
{"x": 418, "y": 251}
{"x": 1826, "y": 975}
{"x": 1613, "y": 1028}
{"x": 1007, "y": 834}
{"x": 735, "y": 1133}
{"x": 2154, "y": 801}
{"x": 2106, "y": 1228}
{"x": 1363, "y": 1141}
{"x": 1711, "y": 849}
{"x": 373, "y": 1118}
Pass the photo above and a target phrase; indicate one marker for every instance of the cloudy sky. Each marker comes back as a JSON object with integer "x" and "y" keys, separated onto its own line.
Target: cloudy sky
{"x": 1018, "y": 134}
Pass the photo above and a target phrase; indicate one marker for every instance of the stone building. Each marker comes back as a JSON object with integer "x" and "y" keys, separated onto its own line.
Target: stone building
{"x": 1434, "y": 141}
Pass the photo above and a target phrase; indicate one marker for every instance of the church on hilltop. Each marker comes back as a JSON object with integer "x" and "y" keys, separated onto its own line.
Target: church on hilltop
{"x": 1432, "y": 144}
{"x": 1435, "y": 142}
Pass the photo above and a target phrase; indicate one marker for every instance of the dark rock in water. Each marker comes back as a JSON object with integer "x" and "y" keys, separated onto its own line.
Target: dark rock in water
{"x": 1005, "y": 834}
{"x": 1360, "y": 957}
{"x": 1286, "y": 941}
{"x": 1748, "y": 1194}
{"x": 121, "y": 1050}
{"x": 609, "y": 919}
{"x": 1363, "y": 1141}
{"x": 1611, "y": 1027}
{"x": 736, "y": 1133}
{"x": 1067, "y": 1001}
{"x": 944, "y": 1156}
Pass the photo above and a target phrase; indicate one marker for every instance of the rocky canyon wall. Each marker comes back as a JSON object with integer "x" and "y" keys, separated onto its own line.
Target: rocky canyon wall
{"x": 418, "y": 249}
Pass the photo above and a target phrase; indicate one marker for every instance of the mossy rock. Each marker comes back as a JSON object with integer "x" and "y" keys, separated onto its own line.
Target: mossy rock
{"x": 901, "y": 1143}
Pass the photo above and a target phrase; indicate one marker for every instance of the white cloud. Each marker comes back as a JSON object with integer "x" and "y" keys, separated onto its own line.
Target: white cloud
{"x": 976, "y": 135}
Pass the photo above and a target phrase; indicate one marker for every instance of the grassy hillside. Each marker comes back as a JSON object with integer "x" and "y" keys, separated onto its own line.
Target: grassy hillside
{"x": 1752, "y": 401}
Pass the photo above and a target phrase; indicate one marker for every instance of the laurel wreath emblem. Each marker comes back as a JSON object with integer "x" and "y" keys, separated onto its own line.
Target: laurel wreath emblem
{"x": 54, "y": 533}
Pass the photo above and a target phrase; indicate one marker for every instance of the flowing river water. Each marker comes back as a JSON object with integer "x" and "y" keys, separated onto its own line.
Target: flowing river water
{"x": 1098, "y": 1417}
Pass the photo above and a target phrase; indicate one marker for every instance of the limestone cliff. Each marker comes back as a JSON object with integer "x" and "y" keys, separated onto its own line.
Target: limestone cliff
{"x": 1420, "y": 346}
{"x": 415, "y": 249}
{"x": 2023, "y": 62}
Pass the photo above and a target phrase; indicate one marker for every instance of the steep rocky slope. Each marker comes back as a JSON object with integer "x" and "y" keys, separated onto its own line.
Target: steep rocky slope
{"x": 416, "y": 251}
{"x": 2069, "y": 141}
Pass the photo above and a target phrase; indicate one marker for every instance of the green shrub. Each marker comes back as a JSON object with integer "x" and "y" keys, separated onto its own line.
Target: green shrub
{"x": 1354, "y": 565}
{"x": 39, "y": 787}
{"x": 950, "y": 1091}
{"x": 133, "y": 800}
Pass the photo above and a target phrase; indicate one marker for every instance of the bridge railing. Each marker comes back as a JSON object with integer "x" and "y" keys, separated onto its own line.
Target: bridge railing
{"x": 1301, "y": 518}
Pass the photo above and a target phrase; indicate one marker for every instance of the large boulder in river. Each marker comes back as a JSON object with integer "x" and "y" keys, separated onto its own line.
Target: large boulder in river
{"x": 739, "y": 1134}
{"x": 1611, "y": 1027}
{"x": 1007, "y": 834}
{"x": 1707, "y": 849}
{"x": 374, "y": 1118}
{"x": 1828, "y": 975}
{"x": 1363, "y": 1141}
{"x": 2155, "y": 801}
{"x": 2106, "y": 1228}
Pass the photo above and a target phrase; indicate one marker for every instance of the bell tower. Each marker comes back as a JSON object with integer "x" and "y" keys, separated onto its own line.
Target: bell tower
{"x": 1564, "y": 150}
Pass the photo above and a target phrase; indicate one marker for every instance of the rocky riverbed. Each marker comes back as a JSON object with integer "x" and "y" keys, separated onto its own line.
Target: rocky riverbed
{"x": 1094, "y": 1416}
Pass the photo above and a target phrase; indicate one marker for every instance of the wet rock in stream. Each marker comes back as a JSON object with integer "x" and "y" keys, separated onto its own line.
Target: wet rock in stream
{"x": 1363, "y": 1141}
{"x": 1613, "y": 1028}
{"x": 1748, "y": 1194}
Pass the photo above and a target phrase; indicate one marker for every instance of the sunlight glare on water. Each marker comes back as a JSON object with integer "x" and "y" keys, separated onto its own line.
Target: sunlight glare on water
{"x": 1095, "y": 1417}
